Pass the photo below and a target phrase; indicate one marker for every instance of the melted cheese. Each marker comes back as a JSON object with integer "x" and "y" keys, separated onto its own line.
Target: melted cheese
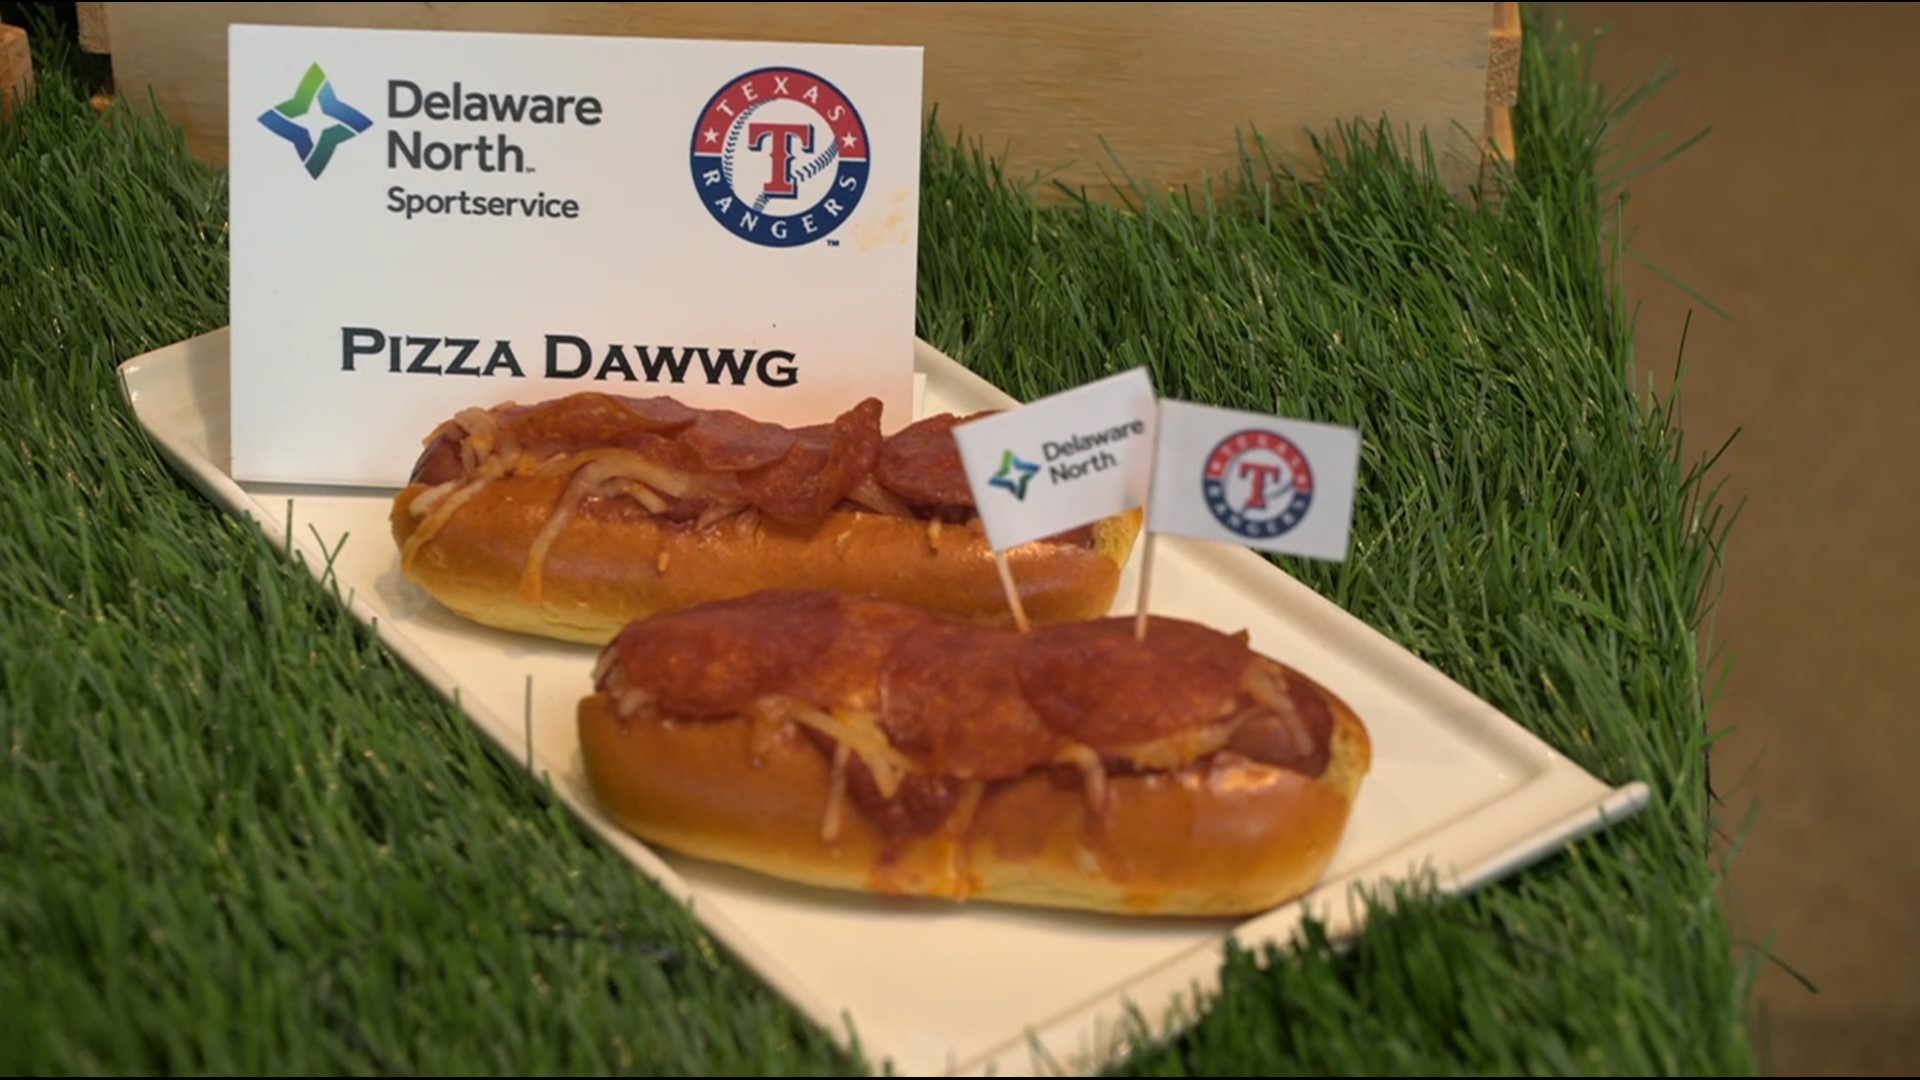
{"x": 1092, "y": 770}
{"x": 431, "y": 497}
{"x": 858, "y": 730}
{"x": 960, "y": 831}
{"x": 644, "y": 495}
{"x": 488, "y": 447}
{"x": 836, "y": 796}
{"x": 1266, "y": 683}
{"x": 631, "y": 701}
{"x": 482, "y": 428}
{"x": 613, "y": 462}
{"x": 870, "y": 494}
{"x": 1180, "y": 749}
{"x": 765, "y": 734}
{"x": 606, "y": 472}
{"x": 438, "y": 504}
{"x": 718, "y": 512}
{"x": 438, "y": 519}
{"x": 603, "y": 670}
{"x": 557, "y": 520}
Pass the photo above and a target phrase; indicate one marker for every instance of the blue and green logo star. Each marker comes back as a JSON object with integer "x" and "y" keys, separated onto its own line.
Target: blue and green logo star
{"x": 1014, "y": 474}
{"x": 311, "y": 134}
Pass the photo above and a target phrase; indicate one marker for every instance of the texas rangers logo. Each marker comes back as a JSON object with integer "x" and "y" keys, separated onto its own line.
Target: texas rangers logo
{"x": 1257, "y": 483}
{"x": 780, "y": 157}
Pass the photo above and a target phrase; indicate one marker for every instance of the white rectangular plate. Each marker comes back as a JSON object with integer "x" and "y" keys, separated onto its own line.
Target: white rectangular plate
{"x": 1457, "y": 789}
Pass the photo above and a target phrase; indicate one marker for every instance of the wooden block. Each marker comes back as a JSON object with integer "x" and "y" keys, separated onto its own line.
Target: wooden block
{"x": 16, "y": 68}
{"x": 1503, "y": 57}
{"x": 1500, "y": 132}
{"x": 1503, "y": 93}
{"x": 92, "y": 15}
{"x": 1167, "y": 86}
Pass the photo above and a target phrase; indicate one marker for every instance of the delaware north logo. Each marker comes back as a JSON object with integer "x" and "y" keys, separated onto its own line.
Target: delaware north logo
{"x": 1257, "y": 483}
{"x": 315, "y": 133}
{"x": 780, "y": 157}
{"x": 1014, "y": 474}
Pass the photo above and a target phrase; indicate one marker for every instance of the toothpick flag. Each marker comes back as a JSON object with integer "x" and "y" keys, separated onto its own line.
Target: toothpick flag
{"x": 1059, "y": 463}
{"x": 1262, "y": 481}
{"x": 1062, "y": 461}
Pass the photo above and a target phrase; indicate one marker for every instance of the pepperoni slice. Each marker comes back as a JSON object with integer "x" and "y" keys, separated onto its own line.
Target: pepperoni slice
{"x": 660, "y": 413}
{"x": 560, "y": 425}
{"x": 1093, "y": 682}
{"x": 825, "y": 463}
{"x": 921, "y": 463}
{"x": 848, "y": 673}
{"x": 594, "y": 419}
{"x": 795, "y": 477}
{"x": 726, "y": 441}
{"x": 715, "y": 659}
{"x": 950, "y": 698}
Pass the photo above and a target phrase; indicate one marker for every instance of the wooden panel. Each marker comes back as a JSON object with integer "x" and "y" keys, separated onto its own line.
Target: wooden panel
{"x": 1039, "y": 84}
{"x": 16, "y": 67}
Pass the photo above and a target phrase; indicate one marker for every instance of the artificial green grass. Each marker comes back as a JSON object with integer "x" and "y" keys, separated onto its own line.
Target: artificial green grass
{"x": 240, "y": 838}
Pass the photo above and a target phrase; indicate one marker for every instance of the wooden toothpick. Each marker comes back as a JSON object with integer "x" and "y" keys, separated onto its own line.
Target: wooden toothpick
{"x": 1146, "y": 578}
{"x": 1146, "y": 547}
{"x": 1013, "y": 594}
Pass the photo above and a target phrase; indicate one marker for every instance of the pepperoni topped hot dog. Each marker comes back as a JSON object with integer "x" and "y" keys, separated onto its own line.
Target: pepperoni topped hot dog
{"x": 569, "y": 517}
{"x": 871, "y": 746}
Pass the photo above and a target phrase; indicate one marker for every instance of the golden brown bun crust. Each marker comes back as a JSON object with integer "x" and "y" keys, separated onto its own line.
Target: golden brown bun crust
{"x": 602, "y": 572}
{"x": 1225, "y": 836}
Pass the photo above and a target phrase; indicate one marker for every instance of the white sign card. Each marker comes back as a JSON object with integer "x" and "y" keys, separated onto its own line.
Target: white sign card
{"x": 1235, "y": 477}
{"x": 1062, "y": 461}
{"x": 429, "y": 220}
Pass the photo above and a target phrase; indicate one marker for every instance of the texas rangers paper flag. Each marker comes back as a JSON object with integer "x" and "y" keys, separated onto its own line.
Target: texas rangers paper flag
{"x": 1062, "y": 461}
{"x": 1262, "y": 481}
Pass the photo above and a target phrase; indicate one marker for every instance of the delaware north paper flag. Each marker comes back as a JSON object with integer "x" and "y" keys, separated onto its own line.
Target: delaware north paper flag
{"x": 1062, "y": 461}
{"x": 1243, "y": 478}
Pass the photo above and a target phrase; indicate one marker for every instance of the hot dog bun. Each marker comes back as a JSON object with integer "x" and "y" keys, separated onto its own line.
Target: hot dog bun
{"x": 872, "y": 747}
{"x": 571, "y": 517}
